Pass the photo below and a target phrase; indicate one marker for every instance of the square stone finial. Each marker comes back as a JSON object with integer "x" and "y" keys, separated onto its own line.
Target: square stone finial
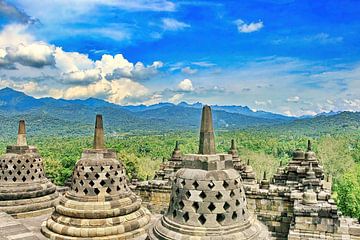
{"x": 99, "y": 133}
{"x": 21, "y": 139}
{"x": 207, "y": 137}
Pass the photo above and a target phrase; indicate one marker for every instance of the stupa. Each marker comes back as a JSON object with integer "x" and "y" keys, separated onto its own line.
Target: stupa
{"x": 24, "y": 189}
{"x": 99, "y": 204}
{"x": 208, "y": 199}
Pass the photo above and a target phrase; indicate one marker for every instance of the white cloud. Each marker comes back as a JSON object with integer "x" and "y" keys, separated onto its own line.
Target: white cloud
{"x": 69, "y": 74}
{"x": 186, "y": 85}
{"x": 263, "y": 103}
{"x": 172, "y": 24}
{"x": 293, "y": 99}
{"x": 248, "y": 28}
{"x": 176, "y": 98}
{"x": 189, "y": 70}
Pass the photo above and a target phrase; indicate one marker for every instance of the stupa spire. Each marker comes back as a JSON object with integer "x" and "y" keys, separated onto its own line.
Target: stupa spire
{"x": 177, "y": 146}
{"x": 21, "y": 140}
{"x": 309, "y": 146}
{"x": 207, "y": 137}
{"x": 99, "y": 133}
{"x": 233, "y": 145}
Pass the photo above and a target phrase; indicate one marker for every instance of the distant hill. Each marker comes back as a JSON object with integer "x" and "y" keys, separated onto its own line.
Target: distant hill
{"x": 49, "y": 116}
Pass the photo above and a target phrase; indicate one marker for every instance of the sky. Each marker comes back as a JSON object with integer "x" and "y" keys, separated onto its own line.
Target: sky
{"x": 294, "y": 57}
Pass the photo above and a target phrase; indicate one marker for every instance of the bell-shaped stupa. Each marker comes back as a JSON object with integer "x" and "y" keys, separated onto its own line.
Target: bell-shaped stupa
{"x": 24, "y": 189}
{"x": 99, "y": 205}
{"x": 208, "y": 199}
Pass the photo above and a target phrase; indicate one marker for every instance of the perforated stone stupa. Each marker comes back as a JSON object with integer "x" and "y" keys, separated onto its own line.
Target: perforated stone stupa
{"x": 99, "y": 204}
{"x": 24, "y": 189}
{"x": 207, "y": 199}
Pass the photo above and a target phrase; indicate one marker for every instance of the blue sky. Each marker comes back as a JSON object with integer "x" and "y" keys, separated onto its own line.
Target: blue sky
{"x": 286, "y": 56}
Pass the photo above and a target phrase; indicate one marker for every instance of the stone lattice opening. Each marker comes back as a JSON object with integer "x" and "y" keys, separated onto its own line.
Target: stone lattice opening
{"x": 202, "y": 219}
{"x": 211, "y": 207}
{"x": 220, "y": 217}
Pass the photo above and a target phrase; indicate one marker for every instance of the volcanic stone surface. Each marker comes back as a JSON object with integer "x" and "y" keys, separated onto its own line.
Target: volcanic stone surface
{"x": 24, "y": 189}
{"x": 99, "y": 205}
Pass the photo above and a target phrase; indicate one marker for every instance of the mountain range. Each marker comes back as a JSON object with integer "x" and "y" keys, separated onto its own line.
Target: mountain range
{"x": 74, "y": 117}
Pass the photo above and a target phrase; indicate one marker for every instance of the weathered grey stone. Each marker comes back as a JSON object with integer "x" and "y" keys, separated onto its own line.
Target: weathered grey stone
{"x": 24, "y": 189}
{"x": 99, "y": 204}
{"x": 207, "y": 198}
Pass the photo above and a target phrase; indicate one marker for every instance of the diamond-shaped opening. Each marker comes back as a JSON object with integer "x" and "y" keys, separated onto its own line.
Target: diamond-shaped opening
{"x": 91, "y": 183}
{"x": 202, "y": 219}
{"x": 76, "y": 189}
{"x": 181, "y": 205}
{"x": 117, "y": 188}
{"x": 219, "y": 195}
{"x": 183, "y": 182}
{"x": 34, "y": 171}
{"x": 107, "y": 175}
{"x": 108, "y": 190}
{"x": 174, "y": 214}
{"x": 19, "y": 161}
{"x": 5, "y": 178}
{"x": 225, "y": 184}
{"x": 86, "y": 175}
{"x": 211, "y": 207}
{"x": 81, "y": 182}
{"x": 116, "y": 173}
{"x": 23, "y": 167}
{"x": 234, "y": 216}
{"x": 85, "y": 191}
{"x": 97, "y": 175}
{"x": 226, "y": 206}
{"x": 91, "y": 169}
{"x": 220, "y": 217}
{"x": 196, "y": 206}
{"x": 32, "y": 177}
{"x": 96, "y": 191}
{"x": 102, "y": 168}
{"x": 27, "y": 161}
{"x": 10, "y": 172}
{"x": 31, "y": 166}
{"x": 23, "y": 179}
{"x": 202, "y": 195}
{"x": 177, "y": 191}
{"x": 14, "y": 179}
{"x": 188, "y": 194}
{"x": 78, "y": 174}
{"x": 243, "y": 212}
{"x": 236, "y": 182}
{"x": 111, "y": 167}
{"x": 195, "y": 184}
{"x": 112, "y": 181}
{"x": 232, "y": 194}
{"x": 102, "y": 182}
{"x": 186, "y": 216}
{"x": 237, "y": 202}
{"x": 14, "y": 167}
{"x": 211, "y": 185}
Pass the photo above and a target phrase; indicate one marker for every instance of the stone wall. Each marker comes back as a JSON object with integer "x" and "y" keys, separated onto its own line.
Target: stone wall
{"x": 155, "y": 198}
{"x": 274, "y": 209}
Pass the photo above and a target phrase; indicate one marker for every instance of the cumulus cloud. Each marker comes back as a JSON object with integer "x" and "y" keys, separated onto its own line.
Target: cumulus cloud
{"x": 294, "y": 99}
{"x": 186, "y": 85}
{"x": 35, "y": 55}
{"x": 244, "y": 27}
{"x": 69, "y": 74}
{"x": 172, "y": 24}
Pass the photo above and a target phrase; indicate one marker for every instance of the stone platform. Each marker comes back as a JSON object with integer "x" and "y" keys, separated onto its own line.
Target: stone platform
{"x": 24, "y": 229}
